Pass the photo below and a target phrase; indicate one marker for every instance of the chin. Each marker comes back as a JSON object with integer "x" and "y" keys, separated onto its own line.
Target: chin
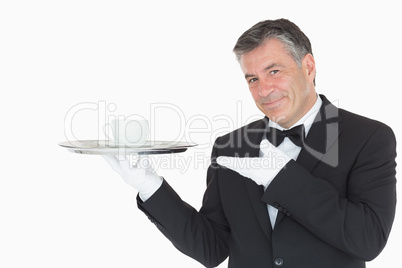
{"x": 276, "y": 116}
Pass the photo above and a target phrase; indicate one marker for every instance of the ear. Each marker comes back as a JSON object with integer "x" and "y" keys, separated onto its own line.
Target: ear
{"x": 308, "y": 65}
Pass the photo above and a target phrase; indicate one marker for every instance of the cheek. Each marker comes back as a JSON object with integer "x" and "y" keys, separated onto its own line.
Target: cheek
{"x": 284, "y": 85}
{"x": 254, "y": 93}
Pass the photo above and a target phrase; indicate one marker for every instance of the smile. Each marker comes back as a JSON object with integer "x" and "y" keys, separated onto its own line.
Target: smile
{"x": 274, "y": 103}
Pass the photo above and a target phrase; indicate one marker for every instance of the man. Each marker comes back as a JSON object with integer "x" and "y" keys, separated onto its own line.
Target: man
{"x": 321, "y": 193}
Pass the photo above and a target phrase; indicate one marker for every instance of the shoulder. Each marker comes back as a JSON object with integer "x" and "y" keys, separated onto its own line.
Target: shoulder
{"x": 367, "y": 140}
{"x": 362, "y": 126}
{"x": 248, "y": 131}
{"x": 355, "y": 125}
{"x": 243, "y": 141}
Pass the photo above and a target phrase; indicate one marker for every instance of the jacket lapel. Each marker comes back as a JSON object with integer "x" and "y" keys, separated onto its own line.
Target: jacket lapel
{"x": 260, "y": 208}
{"x": 253, "y": 137}
{"x": 321, "y": 143}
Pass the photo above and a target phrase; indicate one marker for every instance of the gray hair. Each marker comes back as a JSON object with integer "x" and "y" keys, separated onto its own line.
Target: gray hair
{"x": 295, "y": 41}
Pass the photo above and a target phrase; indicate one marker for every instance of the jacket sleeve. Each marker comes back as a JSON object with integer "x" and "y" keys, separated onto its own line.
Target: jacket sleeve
{"x": 201, "y": 235}
{"x": 358, "y": 222}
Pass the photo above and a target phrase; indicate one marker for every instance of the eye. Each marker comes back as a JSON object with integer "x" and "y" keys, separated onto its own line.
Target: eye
{"x": 273, "y": 71}
{"x": 252, "y": 80}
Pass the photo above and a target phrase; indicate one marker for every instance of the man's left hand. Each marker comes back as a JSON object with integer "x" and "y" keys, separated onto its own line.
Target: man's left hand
{"x": 262, "y": 170}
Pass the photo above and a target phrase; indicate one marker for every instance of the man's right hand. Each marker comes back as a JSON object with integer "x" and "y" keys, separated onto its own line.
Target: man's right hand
{"x": 141, "y": 176}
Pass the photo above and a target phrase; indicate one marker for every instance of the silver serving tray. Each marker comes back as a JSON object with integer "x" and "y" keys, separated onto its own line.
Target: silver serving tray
{"x": 97, "y": 147}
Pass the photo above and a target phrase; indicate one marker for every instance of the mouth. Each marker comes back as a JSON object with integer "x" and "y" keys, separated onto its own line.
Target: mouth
{"x": 273, "y": 103}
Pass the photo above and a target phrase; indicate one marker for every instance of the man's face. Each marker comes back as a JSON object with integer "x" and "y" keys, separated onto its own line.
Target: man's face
{"x": 283, "y": 91}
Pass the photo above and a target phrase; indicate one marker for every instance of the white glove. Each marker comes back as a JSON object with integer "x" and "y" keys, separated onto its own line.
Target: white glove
{"x": 262, "y": 170}
{"x": 141, "y": 176}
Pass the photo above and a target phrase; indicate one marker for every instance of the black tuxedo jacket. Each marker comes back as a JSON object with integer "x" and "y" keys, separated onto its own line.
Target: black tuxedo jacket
{"x": 336, "y": 202}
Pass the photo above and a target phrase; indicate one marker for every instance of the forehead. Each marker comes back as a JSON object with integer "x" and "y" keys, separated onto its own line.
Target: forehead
{"x": 271, "y": 51}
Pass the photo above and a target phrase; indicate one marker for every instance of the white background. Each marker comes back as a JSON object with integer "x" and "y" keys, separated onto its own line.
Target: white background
{"x": 60, "y": 209}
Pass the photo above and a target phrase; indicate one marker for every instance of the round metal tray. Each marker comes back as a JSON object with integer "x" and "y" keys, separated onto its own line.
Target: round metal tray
{"x": 97, "y": 147}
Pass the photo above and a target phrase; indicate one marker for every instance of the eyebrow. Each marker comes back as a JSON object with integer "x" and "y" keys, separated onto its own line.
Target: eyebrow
{"x": 265, "y": 69}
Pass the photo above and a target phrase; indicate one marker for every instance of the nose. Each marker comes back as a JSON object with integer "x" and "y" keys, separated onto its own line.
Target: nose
{"x": 265, "y": 87}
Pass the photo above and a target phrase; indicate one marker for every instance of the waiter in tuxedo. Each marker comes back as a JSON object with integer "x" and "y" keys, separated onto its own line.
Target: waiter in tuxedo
{"x": 309, "y": 185}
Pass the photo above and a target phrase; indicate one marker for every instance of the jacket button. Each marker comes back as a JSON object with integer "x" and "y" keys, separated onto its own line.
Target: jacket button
{"x": 278, "y": 262}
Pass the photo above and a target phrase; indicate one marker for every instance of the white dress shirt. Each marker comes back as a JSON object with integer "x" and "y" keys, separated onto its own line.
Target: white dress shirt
{"x": 290, "y": 148}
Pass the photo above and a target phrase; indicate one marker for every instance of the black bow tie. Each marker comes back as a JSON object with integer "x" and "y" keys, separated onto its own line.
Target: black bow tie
{"x": 295, "y": 134}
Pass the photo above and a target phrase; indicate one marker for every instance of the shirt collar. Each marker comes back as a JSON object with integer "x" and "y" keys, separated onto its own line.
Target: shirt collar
{"x": 307, "y": 119}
